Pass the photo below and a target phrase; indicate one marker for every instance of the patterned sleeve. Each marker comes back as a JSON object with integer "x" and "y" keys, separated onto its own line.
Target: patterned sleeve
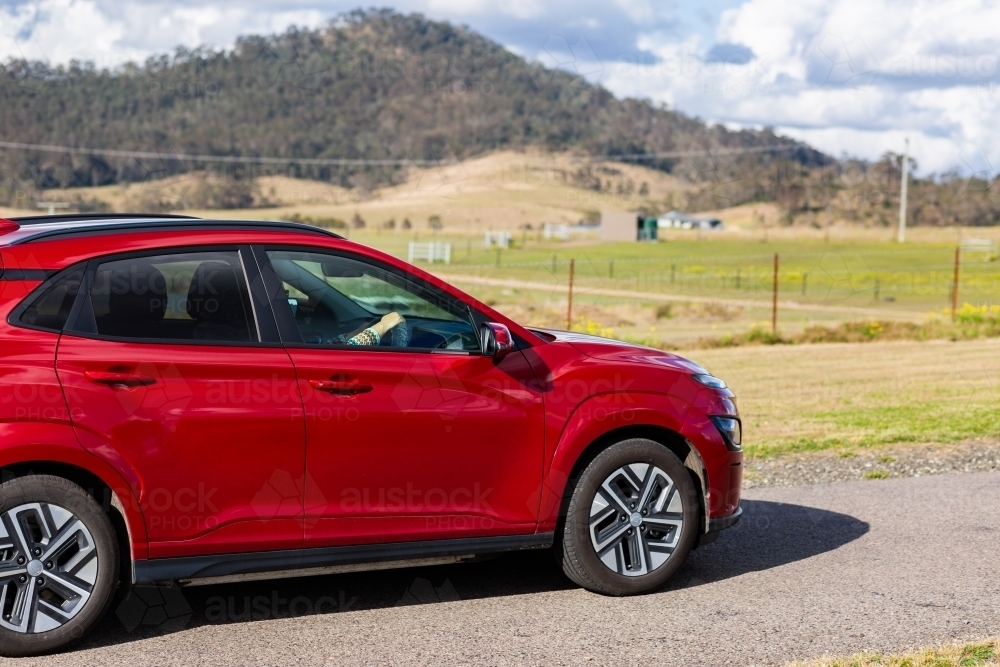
{"x": 367, "y": 337}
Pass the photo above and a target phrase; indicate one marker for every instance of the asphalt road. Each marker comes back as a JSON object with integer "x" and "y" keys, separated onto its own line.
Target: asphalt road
{"x": 811, "y": 570}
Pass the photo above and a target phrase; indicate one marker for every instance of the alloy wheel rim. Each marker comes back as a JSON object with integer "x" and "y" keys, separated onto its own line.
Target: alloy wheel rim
{"x": 636, "y": 519}
{"x": 48, "y": 567}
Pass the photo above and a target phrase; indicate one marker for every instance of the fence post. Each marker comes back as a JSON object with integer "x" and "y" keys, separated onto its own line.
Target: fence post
{"x": 774, "y": 298}
{"x": 569, "y": 303}
{"x": 954, "y": 286}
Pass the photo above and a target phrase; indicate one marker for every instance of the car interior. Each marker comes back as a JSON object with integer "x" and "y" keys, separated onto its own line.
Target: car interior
{"x": 146, "y": 298}
{"x": 326, "y": 315}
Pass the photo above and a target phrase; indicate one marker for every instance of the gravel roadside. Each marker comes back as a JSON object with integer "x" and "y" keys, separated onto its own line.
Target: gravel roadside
{"x": 871, "y": 464}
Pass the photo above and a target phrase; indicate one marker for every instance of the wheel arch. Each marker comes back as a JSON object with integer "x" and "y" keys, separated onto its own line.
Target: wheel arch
{"x": 96, "y": 488}
{"x": 669, "y": 438}
{"x": 52, "y": 449}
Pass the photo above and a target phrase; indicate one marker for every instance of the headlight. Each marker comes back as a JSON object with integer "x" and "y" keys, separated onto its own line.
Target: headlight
{"x": 731, "y": 430}
{"x": 709, "y": 381}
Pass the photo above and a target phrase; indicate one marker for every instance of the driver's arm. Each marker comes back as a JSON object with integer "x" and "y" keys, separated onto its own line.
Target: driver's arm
{"x": 373, "y": 334}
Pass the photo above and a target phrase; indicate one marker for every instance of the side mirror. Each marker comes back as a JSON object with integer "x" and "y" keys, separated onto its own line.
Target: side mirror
{"x": 495, "y": 340}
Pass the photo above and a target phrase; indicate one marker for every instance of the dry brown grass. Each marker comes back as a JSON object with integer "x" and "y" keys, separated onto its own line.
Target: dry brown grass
{"x": 975, "y": 654}
{"x": 502, "y": 190}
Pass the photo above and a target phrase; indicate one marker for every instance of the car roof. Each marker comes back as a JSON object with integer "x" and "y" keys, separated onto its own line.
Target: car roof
{"x": 35, "y": 228}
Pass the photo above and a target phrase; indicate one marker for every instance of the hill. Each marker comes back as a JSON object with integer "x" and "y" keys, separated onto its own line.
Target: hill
{"x": 373, "y": 84}
{"x": 379, "y": 85}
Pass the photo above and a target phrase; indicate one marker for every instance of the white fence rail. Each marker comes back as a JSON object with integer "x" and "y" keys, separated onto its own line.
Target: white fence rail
{"x": 984, "y": 247}
{"x": 499, "y": 239}
{"x": 429, "y": 252}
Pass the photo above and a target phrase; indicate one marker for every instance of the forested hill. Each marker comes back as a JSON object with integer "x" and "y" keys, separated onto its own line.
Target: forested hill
{"x": 373, "y": 84}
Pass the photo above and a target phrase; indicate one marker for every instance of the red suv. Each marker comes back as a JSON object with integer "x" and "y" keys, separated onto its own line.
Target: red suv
{"x": 186, "y": 399}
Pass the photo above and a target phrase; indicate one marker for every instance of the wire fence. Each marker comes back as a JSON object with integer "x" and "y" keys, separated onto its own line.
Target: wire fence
{"x": 872, "y": 279}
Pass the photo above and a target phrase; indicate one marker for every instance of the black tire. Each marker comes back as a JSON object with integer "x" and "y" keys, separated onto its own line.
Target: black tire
{"x": 580, "y": 559}
{"x": 56, "y": 491}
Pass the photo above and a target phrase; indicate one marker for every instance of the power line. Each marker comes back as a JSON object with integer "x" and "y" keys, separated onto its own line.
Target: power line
{"x": 333, "y": 162}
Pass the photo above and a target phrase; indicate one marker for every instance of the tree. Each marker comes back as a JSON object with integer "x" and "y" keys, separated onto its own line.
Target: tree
{"x": 434, "y": 222}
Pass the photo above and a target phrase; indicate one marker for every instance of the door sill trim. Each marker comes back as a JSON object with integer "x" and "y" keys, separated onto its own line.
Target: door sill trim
{"x": 392, "y": 554}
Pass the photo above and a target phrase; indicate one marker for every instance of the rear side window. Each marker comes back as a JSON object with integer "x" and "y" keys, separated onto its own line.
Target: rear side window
{"x": 196, "y": 296}
{"x": 50, "y": 308}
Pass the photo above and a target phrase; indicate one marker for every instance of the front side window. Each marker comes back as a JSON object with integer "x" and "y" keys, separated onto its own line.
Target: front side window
{"x": 338, "y": 300}
{"x": 194, "y": 296}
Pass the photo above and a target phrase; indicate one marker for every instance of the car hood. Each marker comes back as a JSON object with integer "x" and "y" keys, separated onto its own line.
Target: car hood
{"x": 616, "y": 350}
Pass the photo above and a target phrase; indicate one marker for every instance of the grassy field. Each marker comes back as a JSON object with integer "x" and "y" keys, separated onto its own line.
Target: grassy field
{"x": 692, "y": 286}
{"x": 973, "y": 654}
{"x": 845, "y": 396}
{"x": 683, "y": 288}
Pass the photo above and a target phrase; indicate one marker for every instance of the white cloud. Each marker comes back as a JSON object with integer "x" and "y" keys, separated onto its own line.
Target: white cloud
{"x": 110, "y": 33}
{"x": 521, "y": 9}
{"x": 850, "y": 76}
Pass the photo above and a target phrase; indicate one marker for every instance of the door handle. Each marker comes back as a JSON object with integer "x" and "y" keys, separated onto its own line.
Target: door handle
{"x": 125, "y": 380}
{"x": 341, "y": 387}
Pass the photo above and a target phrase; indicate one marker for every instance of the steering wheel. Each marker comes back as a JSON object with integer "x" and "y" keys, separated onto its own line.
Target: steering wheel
{"x": 453, "y": 340}
{"x": 399, "y": 341}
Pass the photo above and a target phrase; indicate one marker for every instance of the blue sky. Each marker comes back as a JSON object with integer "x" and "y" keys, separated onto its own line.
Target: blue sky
{"x": 851, "y": 77}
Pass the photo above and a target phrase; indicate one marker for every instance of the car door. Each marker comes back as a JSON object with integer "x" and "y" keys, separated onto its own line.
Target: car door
{"x": 418, "y": 437}
{"x": 167, "y": 369}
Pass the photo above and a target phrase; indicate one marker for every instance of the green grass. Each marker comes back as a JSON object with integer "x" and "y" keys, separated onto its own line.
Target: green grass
{"x": 844, "y": 397}
{"x": 978, "y": 654}
{"x": 879, "y": 425}
{"x": 908, "y": 277}
{"x": 822, "y": 284}
{"x": 971, "y": 323}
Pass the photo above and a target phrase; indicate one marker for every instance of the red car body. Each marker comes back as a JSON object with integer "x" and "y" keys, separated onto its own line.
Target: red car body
{"x": 220, "y": 454}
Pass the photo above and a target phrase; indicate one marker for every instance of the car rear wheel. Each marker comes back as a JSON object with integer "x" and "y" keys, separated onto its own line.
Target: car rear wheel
{"x": 631, "y": 521}
{"x": 58, "y": 564}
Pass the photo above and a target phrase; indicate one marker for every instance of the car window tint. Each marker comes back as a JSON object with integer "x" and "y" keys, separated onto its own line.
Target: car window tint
{"x": 334, "y": 299}
{"x": 200, "y": 296}
{"x": 50, "y": 309}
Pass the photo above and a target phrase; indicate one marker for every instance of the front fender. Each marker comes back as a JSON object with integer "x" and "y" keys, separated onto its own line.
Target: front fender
{"x": 602, "y": 414}
{"x": 42, "y": 442}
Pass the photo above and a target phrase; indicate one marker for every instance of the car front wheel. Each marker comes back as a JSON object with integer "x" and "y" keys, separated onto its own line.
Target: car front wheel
{"x": 58, "y": 564}
{"x": 631, "y": 521}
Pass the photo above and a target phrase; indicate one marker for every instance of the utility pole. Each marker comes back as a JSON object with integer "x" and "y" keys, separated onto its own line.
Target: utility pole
{"x": 905, "y": 169}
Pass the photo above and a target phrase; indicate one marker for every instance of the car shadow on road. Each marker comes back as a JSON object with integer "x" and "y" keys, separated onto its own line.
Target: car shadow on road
{"x": 769, "y": 535}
